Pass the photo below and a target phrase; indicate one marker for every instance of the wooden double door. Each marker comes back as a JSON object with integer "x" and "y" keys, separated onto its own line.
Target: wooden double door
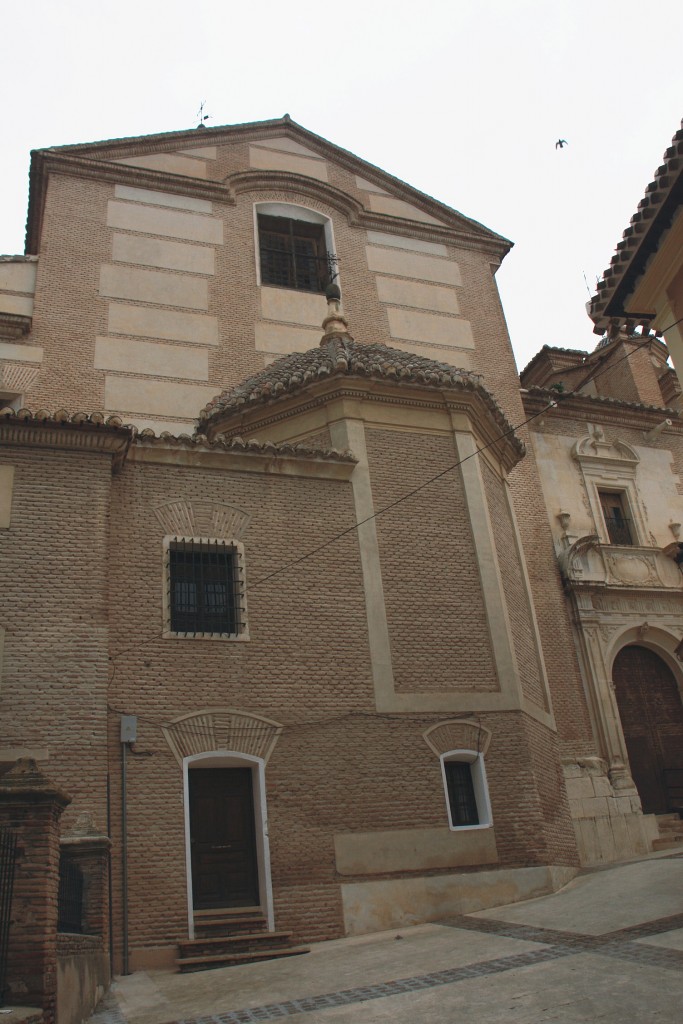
{"x": 223, "y": 838}
{"x": 651, "y": 715}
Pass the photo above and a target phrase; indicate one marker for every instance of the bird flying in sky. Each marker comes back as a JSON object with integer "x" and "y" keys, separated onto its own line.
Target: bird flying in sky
{"x": 561, "y": 143}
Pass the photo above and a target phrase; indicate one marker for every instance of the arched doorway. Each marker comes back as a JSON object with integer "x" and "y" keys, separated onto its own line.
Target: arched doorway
{"x": 651, "y": 715}
{"x": 226, "y": 837}
{"x": 224, "y": 858}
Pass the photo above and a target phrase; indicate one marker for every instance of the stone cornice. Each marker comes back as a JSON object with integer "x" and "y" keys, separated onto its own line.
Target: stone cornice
{"x": 494, "y": 431}
{"x": 94, "y": 160}
{"x": 251, "y": 457}
{"x": 459, "y": 233}
{"x": 64, "y": 433}
{"x": 47, "y": 162}
{"x": 254, "y": 131}
{"x": 602, "y": 409}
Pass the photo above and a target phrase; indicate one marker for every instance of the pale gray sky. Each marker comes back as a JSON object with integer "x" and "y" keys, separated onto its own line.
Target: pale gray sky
{"x": 464, "y": 100}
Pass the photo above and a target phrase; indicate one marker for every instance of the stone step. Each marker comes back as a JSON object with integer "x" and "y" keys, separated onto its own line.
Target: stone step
{"x": 671, "y": 826}
{"x": 207, "y": 963}
{"x": 242, "y": 942}
{"x": 666, "y": 842}
{"x": 206, "y": 925}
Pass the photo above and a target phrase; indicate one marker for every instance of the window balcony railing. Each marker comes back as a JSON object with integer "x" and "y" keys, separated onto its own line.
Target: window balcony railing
{"x": 619, "y": 530}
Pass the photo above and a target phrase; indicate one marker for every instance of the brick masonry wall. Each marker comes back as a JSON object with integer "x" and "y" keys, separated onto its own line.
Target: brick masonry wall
{"x": 493, "y": 358}
{"x": 550, "y": 786}
{"x": 313, "y": 779}
{"x": 75, "y": 226}
{"x": 74, "y": 945}
{"x": 307, "y": 659}
{"x": 632, "y": 379}
{"x": 437, "y": 619}
{"x": 514, "y": 589}
{"x": 306, "y": 666}
{"x": 55, "y": 667}
{"x": 307, "y": 663}
{"x": 31, "y": 807}
{"x": 552, "y": 614}
{"x": 68, "y": 311}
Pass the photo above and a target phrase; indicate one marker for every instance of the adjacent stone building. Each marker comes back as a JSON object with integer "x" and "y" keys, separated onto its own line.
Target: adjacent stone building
{"x": 610, "y": 459}
{"x": 644, "y": 281}
{"x": 283, "y": 612}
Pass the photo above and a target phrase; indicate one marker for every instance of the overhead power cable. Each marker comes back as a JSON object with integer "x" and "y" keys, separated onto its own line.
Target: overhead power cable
{"x": 555, "y": 401}
{"x": 559, "y": 396}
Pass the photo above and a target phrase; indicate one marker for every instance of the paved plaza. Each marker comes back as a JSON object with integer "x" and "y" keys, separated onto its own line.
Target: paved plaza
{"x": 608, "y": 948}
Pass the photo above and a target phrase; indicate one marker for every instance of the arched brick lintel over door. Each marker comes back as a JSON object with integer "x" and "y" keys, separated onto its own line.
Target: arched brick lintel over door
{"x": 651, "y": 713}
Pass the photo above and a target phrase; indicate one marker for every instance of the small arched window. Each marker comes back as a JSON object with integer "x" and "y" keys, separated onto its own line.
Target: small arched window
{"x": 294, "y": 247}
{"x": 467, "y": 797}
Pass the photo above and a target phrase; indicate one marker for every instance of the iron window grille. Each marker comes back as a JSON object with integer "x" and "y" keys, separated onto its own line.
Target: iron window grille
{"x": 293, "y": 254}
{"x": 206, "y": 588}
{"x": 617, "y": 523}
{"x": 462, "y": 799}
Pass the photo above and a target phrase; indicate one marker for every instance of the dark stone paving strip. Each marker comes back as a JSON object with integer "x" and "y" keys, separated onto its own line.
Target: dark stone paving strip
{"x": 530, "y": 933}
{"x": 363, "y": 994}
{"x": 661, "y": 924}
{"x": 551, "y": 936}
{"x": 618, "y": 944}
{"x": 646, "y": 956}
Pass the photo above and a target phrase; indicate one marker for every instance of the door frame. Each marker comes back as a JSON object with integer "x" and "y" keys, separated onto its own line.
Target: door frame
{"x": 233, "y": 759}
{"x": 665, "y": 647}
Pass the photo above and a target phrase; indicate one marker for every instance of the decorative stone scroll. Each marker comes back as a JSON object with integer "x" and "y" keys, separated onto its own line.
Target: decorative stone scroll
{"x": 182, "y": 518}
{"x": 457, "y": 734}
{"x": 595, "y": 448}
{"x": 573, "y": 559}
{"x": 221, "y": 729}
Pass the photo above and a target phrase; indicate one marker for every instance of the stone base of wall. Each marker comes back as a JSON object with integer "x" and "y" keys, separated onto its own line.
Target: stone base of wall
{"x": 82, "y": 976}
{"x": 151, "y": 958}
{"x": 651, "y": 828}
{"x": 608, "y": 822}
{"x": 378, "y": 906}
{"x": 22, "y": 1015}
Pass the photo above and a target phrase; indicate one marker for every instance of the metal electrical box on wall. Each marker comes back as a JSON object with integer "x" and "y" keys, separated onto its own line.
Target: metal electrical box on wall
{"x": 129, "y": 728}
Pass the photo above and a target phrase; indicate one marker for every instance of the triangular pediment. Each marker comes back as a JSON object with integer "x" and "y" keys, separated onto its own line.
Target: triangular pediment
{"x": 251, "y": 156}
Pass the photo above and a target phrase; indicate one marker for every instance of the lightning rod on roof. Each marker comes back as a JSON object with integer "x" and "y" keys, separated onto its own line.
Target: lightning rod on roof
{"x": 201, "y": 115}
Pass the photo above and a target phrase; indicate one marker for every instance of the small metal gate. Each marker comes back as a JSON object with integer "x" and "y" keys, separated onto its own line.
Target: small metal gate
{"x": 8, "y": 853}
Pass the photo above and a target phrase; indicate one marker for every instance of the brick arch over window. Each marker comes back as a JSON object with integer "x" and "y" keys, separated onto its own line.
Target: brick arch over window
{"x": 460, "y": 745}
{"x": 202, "y": 518}
{"x": 281, "y": 182}
{"x": 457, "y": 734}
{"x": 222, "y": 729}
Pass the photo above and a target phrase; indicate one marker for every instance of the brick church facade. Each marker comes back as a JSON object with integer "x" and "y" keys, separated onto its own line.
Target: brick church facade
{"x": 283, "y": 612}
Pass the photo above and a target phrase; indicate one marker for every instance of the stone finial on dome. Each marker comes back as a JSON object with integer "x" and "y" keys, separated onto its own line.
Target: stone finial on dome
{"x": 335, "y": 324}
